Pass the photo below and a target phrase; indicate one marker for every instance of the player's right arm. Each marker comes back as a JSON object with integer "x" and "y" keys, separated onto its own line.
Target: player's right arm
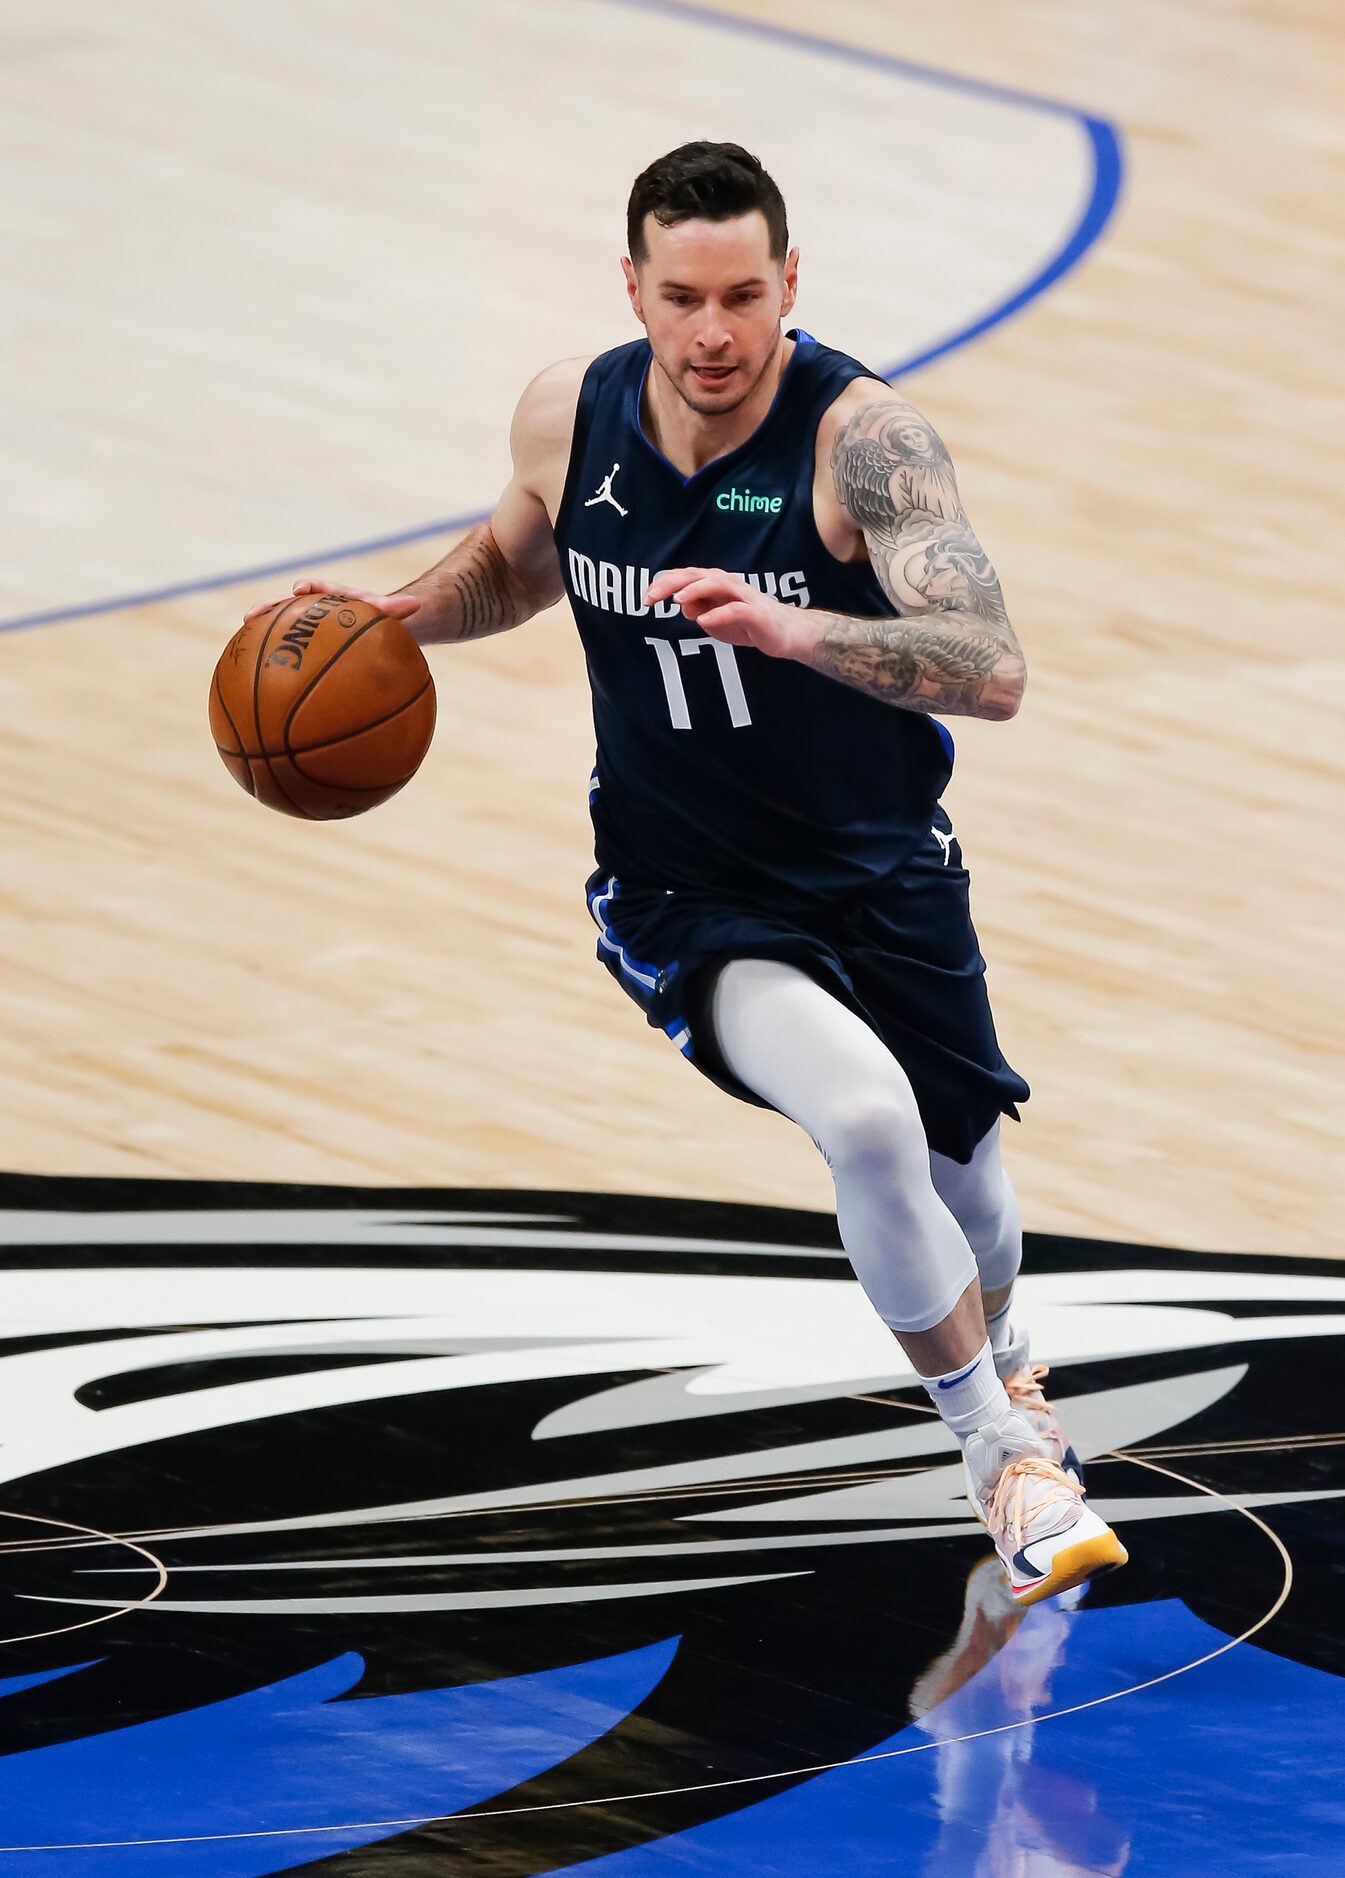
{"x": 506, "y": 569}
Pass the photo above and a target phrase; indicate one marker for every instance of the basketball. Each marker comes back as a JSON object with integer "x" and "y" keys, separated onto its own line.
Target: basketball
{"x": 323, "y": 707}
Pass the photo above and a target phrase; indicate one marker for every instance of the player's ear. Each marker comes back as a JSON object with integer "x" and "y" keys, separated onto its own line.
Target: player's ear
{"x": 790, "y": 291}
{"x": 632, "y": 288}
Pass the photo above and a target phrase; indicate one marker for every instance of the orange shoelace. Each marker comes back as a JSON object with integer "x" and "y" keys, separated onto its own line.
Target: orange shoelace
{"x": 1007, "y": 1511}
{"x": 1024, "y": 1388}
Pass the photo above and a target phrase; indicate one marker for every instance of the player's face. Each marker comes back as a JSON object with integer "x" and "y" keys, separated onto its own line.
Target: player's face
{"x": 711, "y": 299}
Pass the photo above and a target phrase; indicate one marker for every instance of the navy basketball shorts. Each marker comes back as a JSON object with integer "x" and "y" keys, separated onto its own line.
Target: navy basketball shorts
{"x": 903, "y": 956}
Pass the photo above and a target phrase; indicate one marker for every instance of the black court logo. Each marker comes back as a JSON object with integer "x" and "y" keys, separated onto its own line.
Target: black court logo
{"x": 459, "y": 1437}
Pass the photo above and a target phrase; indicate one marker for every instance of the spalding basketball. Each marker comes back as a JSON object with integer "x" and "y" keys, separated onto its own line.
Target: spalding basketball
{"x": 323, "y": 707}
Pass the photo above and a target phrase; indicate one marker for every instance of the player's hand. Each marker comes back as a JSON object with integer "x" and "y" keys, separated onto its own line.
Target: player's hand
{"x": 402, "y": 605}
{"x": 730, "y": 608}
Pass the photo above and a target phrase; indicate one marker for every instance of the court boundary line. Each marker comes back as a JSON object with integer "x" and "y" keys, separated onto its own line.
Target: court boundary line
{"x": 97, "y": 1537}
{"x": 394, "y": 1827}
{"x": 1099, "y": 209}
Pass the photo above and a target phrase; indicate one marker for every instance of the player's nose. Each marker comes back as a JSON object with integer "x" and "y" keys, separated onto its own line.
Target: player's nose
{"x": 713, "y": 334}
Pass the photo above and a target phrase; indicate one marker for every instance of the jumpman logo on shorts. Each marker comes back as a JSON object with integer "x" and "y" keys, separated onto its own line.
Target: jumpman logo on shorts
{"x": 605, "y": 492}
{"x": 944, "y": 841}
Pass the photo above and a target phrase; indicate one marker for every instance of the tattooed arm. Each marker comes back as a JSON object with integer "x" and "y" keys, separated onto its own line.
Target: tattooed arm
{"x": 951, "y": 649}
{"x": 506, "y": 569}
{"x": 474, "y": 591}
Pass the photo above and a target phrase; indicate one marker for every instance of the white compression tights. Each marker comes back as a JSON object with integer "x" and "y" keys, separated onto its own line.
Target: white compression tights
{"x": 917, "y": 1226}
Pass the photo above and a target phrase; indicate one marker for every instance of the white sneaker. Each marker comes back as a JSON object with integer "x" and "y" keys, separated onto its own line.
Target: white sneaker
{"x": 1047, "y": 1538}
{"x": 1023, "y": 1386}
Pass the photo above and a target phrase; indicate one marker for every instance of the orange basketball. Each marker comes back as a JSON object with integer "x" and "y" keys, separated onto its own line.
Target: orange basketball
{"x": 323, "y": 707}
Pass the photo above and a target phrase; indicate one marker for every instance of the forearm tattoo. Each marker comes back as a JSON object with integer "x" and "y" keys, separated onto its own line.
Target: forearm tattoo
{"x": 951, "y": 648}
{"x": 471, "y": 592}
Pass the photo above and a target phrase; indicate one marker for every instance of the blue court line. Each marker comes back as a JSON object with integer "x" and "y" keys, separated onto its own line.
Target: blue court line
{"x": 1104, "y": 195}
{"x": 864, "y": 56}
{"x": 209, "y": 581}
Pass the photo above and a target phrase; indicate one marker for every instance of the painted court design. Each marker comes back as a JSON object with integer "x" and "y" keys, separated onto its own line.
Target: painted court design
{"x": 344, "y": 1532}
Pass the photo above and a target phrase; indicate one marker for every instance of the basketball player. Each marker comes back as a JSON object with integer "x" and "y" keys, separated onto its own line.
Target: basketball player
{"x": 776, "y": 587}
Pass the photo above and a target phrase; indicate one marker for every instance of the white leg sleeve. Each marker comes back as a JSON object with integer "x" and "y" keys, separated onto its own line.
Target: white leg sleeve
{"x": 802, "y": 1051}
{"x": 981, "y": 1198}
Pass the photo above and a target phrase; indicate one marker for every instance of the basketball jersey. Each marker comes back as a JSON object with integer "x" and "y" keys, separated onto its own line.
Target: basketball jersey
{"x": 719, "y": 768}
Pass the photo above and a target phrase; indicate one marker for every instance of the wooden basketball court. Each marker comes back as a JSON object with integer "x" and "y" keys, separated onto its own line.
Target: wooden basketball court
{"x": 218, "y": 365}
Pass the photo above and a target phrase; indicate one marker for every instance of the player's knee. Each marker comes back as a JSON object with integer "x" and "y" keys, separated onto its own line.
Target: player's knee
{"x": 982, "y": 1213}
{"x": 879, "y": 1135}
{"x": 1001, "y": 1253}
{"x": 994, "y": 1230}
{"x": 980, "y": 1196}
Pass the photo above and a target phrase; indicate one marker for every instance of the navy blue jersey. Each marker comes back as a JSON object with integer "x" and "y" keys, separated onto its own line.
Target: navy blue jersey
{"x": 719, "y": 768}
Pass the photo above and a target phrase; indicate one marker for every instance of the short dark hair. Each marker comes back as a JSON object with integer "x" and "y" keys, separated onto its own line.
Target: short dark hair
{"x": 704, "y": 181}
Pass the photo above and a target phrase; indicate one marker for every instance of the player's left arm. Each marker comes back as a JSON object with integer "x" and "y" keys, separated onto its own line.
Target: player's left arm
{"x": 951, "y": 648}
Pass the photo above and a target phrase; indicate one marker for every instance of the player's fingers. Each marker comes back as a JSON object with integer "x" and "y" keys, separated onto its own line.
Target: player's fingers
{"x": 669, "y": 579}
{"x": 400, "y": 605}
{"x": 266, "y": 606}
{"x": 710, "y": 586}
{"x": 305, "y": 584}
{"x": 731, "y": 623}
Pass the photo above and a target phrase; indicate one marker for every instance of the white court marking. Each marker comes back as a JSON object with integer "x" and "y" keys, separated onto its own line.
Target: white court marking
{"x": 743, "y": 1342}
{"x": 120, "y": 1608}
{"x": 794, "y": 1773}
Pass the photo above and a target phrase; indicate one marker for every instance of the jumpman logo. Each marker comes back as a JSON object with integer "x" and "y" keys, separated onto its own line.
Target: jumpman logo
{"x": 605, "y": 492}
{"x": 944, "y": 841}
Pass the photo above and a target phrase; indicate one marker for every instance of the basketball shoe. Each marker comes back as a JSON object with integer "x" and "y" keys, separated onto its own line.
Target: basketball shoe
{"x": 1024, "y": 1389}
{"x": 1047, "y": 1537}
{"x": 1023, "y": 1385}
